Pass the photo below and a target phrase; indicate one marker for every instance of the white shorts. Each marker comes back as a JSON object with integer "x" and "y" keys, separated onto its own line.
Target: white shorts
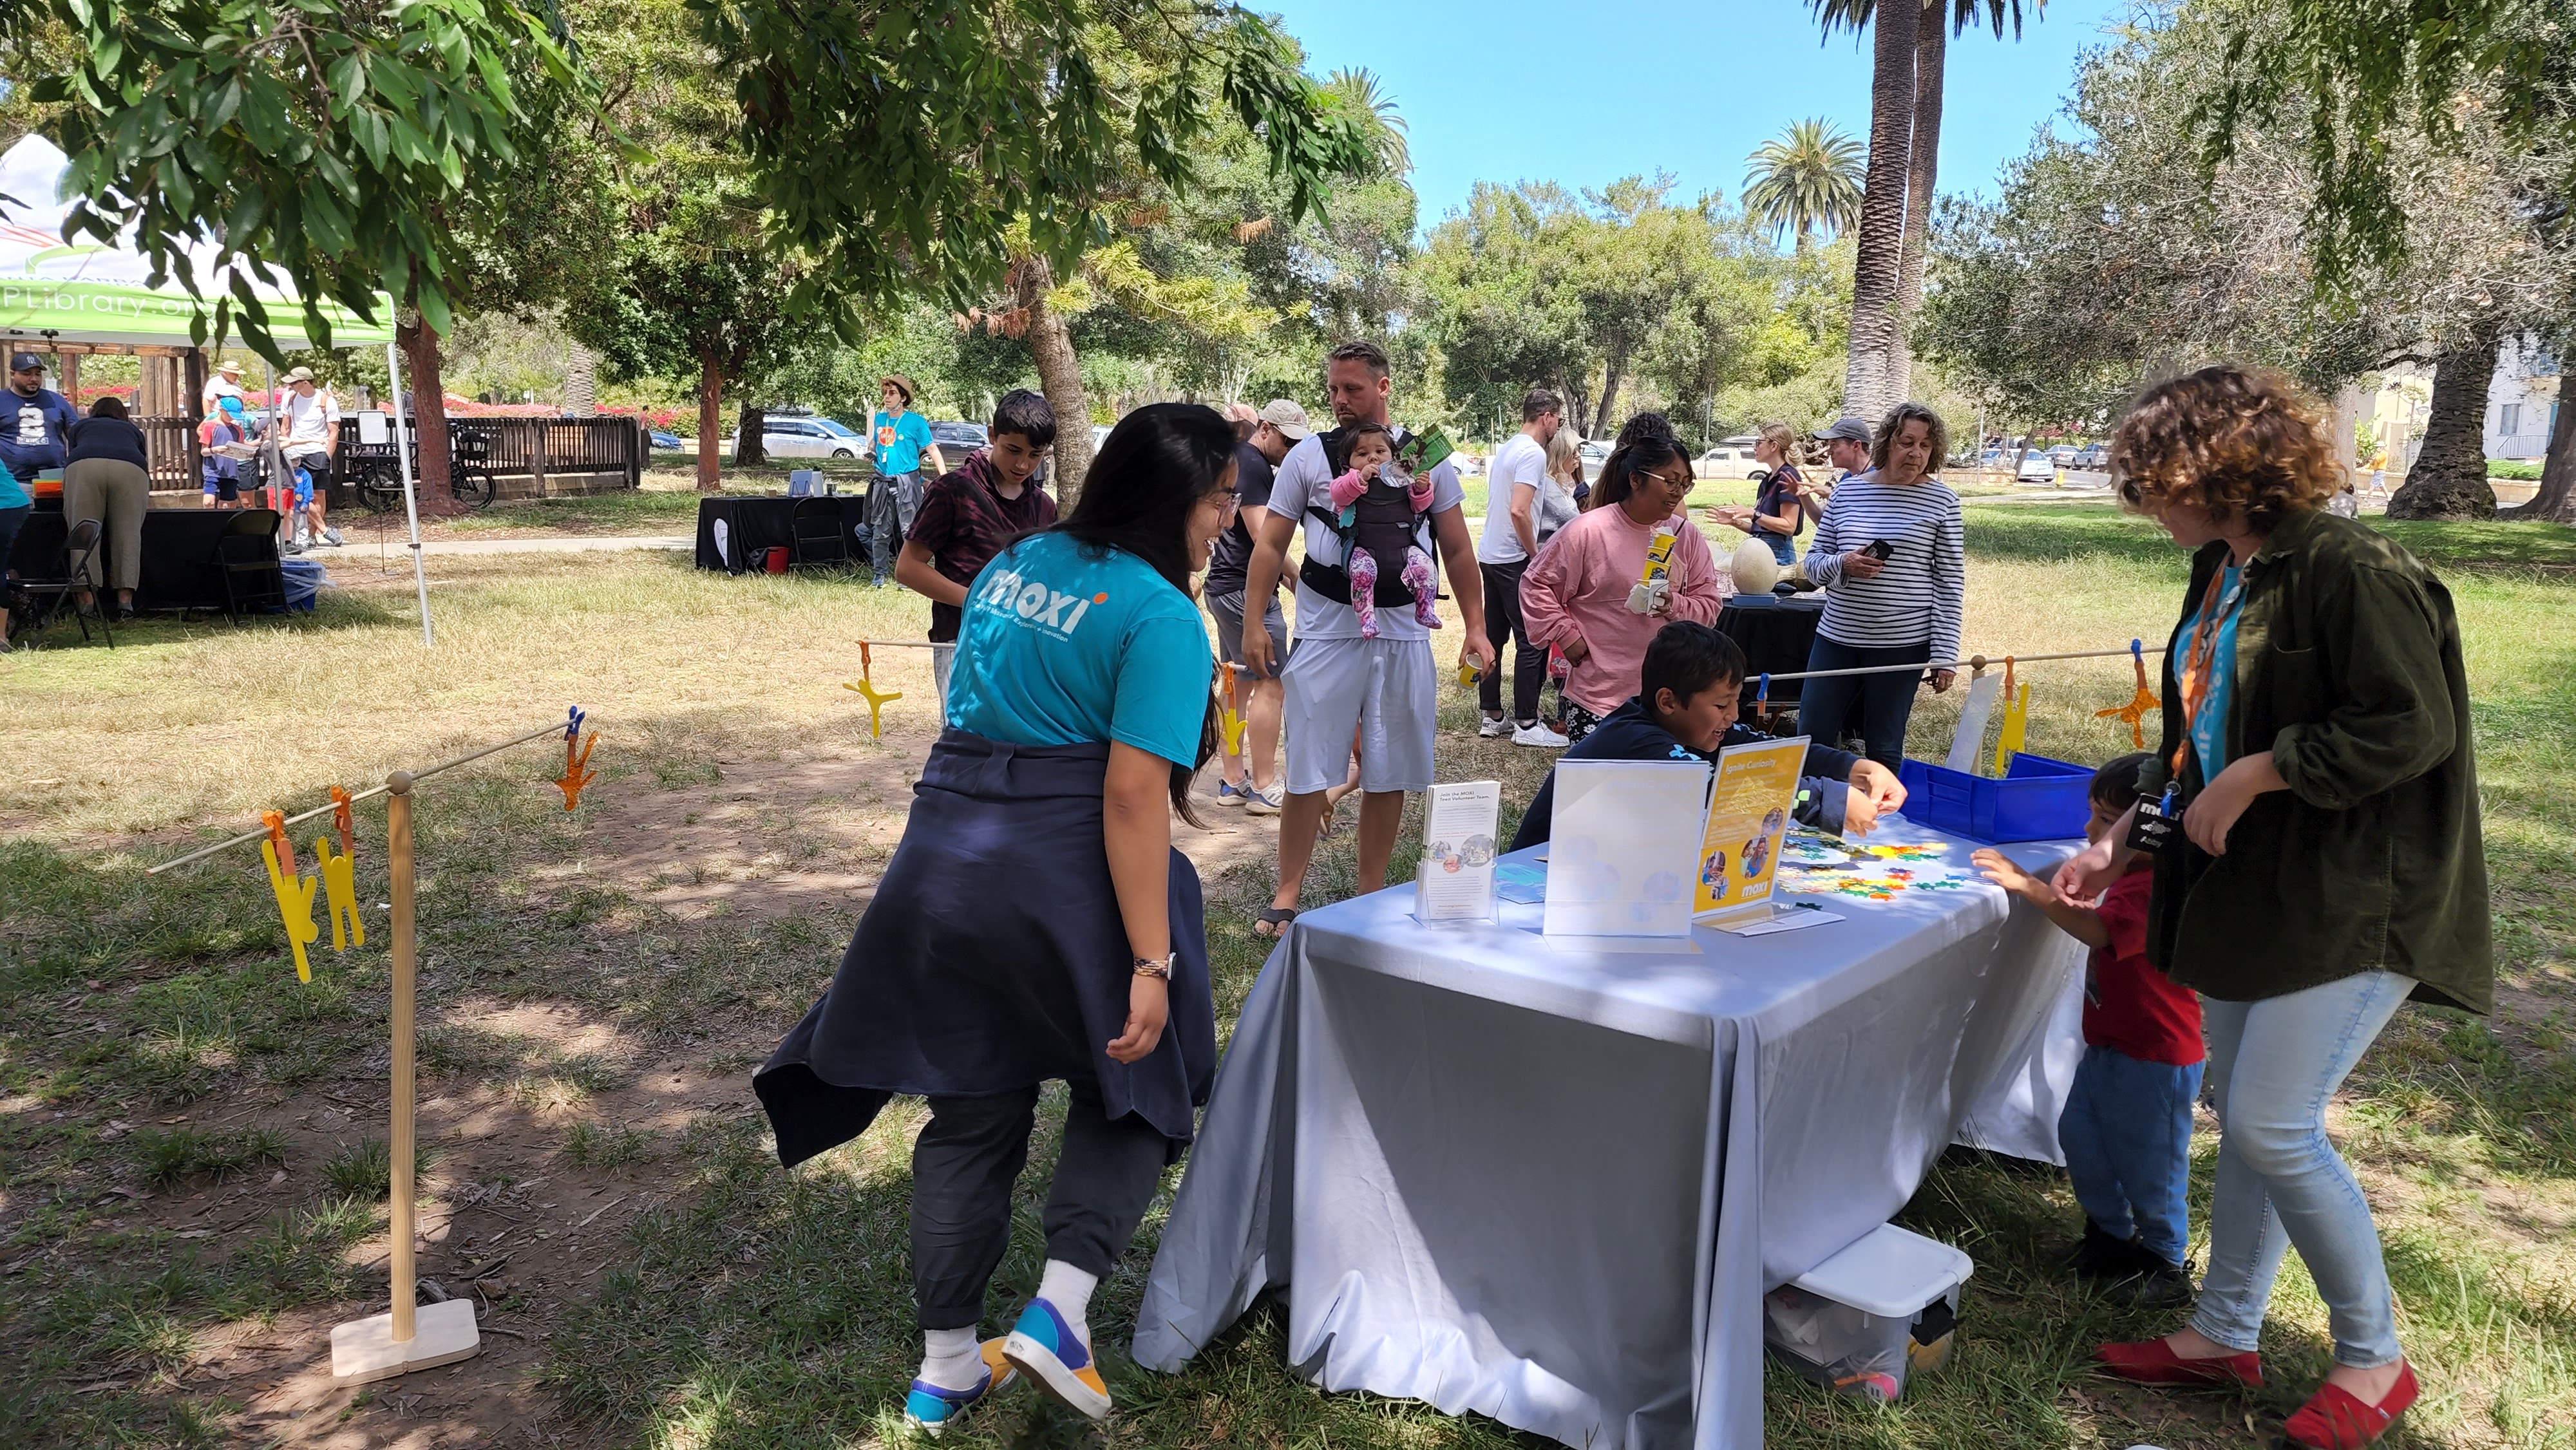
{"x": 1386, "y": 689}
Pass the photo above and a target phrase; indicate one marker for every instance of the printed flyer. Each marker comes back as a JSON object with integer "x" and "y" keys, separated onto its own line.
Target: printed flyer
{"x": 1748, "y": 811}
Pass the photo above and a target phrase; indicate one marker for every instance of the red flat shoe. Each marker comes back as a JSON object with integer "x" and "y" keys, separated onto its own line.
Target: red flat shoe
{"x": 2153, "y": 1362}
{"x": 2336, "y": 1419}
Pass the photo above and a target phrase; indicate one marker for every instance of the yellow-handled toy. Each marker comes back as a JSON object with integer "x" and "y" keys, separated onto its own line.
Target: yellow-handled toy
{"x": 294, "y": 892}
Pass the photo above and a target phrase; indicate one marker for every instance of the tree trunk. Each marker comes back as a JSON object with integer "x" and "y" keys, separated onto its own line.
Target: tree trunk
{"x": 1611, "y": 369}
{"x": 1882, "y": 210}
{"x": 2556, "y": 501}
{"x": 1931, "y": 48}
{"x": 2449, "y": 479}
{"x": 428, "y": 409}
{"x": 710, "y": 424}
{"x": 753, "y": 446}
{"x": 581, "y": 382}
{"x": 1060, "y": 378}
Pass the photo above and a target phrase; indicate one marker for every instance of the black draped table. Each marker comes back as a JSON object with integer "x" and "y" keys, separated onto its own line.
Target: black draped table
{"x": 178, "y": 555}
{"x": 761, "y": 521}
{"x": 1775, "y": 639}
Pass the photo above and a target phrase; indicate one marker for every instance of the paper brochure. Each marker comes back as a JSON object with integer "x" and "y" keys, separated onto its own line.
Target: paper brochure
{"x": 1621, "y": 844}
{"x": 1748, "y": 812}
{"x": 1456, "y": 879}
{"x": 1973, "y": 714}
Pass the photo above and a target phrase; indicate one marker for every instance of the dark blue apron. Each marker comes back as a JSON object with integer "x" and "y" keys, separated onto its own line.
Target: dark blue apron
{"x": 993, "y": 958}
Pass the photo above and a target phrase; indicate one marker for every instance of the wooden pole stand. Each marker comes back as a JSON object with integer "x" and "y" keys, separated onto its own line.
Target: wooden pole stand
{"x": 406, "y": 1338}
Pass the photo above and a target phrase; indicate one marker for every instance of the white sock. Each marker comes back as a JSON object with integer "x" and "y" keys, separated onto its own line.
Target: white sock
{"x": 952, "y": 1359}
{"x": 1069, "y": 1290}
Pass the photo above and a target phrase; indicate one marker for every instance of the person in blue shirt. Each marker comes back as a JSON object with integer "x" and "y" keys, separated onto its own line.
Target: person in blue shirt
{"x": 15, "y": 505}
{"x": 34, "y": 419}
{"x": 1035, "y": 922}
{"x": 1684, "y": 709}
{"x": 898, "y": 439}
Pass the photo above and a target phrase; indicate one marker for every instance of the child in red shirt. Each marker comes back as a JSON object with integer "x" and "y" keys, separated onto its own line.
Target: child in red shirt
{"x": 2126, "y": 1129}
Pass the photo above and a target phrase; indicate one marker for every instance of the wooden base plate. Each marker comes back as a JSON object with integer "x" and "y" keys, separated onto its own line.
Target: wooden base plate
{"x": 364, "y": 1349}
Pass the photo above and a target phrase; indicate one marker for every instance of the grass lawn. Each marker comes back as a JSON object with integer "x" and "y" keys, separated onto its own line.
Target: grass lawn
{"x": 191, "y": 1143}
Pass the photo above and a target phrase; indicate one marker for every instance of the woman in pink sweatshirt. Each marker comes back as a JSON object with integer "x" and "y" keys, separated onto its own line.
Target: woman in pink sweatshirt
{"x": 1591, "y": 595}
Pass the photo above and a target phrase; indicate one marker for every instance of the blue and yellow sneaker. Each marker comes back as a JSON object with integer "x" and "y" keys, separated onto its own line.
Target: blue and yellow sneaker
{"x": 1056, "y": 1360}
{"x": 931, "y": 1409}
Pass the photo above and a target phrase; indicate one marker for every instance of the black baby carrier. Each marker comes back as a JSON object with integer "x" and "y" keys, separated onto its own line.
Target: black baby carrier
{"x": 1381, "y": 520}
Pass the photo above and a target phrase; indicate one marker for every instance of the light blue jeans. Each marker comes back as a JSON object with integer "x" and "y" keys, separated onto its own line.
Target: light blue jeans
{"x": 2273, "y": 1065}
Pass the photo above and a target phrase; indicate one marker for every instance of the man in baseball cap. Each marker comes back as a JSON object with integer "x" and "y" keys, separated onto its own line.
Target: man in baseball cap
{"x": 1251, "y": 779}
{"x": 1846, "y": 442}
{"x": 31, "y": 431}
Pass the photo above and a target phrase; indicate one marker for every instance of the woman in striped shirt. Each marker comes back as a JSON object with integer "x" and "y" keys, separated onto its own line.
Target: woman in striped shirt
{"x": 1890, "y": 554}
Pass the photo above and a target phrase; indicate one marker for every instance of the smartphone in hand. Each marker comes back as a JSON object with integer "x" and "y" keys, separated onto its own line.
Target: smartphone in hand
{"x": 1881, "y": 550}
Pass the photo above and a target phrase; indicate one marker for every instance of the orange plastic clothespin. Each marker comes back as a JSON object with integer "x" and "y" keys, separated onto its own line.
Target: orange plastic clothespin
{"x": 2135, "y": 712}
{"x": 294, "y": 892}
{"x": 877, "y": 699}
{"x": 341, "y": 821}
{"x": 1229, "y": 721}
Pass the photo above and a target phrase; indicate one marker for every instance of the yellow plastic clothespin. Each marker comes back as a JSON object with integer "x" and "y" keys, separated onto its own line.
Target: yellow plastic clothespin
{"x": 2135, "y": 712}
{"x": 2016, "y": 728}
{"x": 1229, "y": 722}
{"x": 877, "y": 699}
{"x": 340, "y": 876}
{"x": 294, "y": 892}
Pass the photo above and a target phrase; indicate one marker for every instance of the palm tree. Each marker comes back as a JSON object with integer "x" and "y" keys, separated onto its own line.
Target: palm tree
{"x": 1908, "y": 57}
{"x": 1359, "y": 86}
{"x": 1807, "y": 181}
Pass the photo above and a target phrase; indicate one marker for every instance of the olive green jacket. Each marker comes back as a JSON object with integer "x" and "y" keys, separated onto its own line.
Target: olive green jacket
{"x": 2348, "y": 669}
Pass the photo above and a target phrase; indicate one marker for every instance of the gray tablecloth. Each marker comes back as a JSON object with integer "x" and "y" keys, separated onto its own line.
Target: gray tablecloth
{"x": 1552, "y": 1186}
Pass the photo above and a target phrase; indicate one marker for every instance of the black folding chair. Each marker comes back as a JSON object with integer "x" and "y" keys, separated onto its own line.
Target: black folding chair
{"x": 246, "y": 561}
{"x": 80, "y": 545}
{"x": 817, "y": 534}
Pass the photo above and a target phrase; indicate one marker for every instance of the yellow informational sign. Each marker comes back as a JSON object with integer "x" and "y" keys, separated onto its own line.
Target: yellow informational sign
{"x": 1748, "y": 812}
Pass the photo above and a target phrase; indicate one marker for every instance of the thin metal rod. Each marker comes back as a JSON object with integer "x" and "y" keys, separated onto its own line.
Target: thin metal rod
{"x": 406, "y": 1284}
{"x": 373, "y": 790}
{"x": 1975, "y": 662}
{"x": 411, "y": 504}
{"x": 900, "y": 643}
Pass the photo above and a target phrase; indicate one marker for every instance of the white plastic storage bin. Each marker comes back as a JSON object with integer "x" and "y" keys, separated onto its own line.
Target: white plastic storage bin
{"x": 1865, "y": 1319}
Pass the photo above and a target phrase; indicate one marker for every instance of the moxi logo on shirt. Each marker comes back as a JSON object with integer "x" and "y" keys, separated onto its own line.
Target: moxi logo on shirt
{"x": 1033, "y": 604}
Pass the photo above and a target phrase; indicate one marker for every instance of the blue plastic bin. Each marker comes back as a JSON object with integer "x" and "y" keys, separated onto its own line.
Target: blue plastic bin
{"x": 2038, "y": 799}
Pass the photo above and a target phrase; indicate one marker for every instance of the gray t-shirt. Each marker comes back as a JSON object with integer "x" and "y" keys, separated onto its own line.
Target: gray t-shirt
{"x": 1305, "y": 480}
{"x": 1519, "y": 461}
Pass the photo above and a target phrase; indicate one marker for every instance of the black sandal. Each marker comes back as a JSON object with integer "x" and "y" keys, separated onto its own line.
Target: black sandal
{"x": 1276, "y": 918}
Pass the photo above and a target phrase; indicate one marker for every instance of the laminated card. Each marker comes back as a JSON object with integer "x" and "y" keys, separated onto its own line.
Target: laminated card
{"x": 1748, "y": 812}
{"x": 1621, "y": 847}
{"x": 1456, "y": 879}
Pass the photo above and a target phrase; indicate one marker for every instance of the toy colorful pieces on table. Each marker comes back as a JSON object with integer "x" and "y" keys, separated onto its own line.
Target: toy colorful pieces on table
{"x": 2135, "y": 712}
{"x": 294, "y": 892}
{"x": 877, "y": 699}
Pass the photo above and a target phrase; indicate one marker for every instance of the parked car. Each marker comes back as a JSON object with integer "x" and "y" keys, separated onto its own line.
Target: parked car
{"x": 806, "y": 437}
{"x": 664, "y": 442}
{"x": 1099, "y": 435}
{"x": 1593, "y": 455}
{"x": 1467, "y": 464}
{"x": 2036, "y": 467}
{"x": 956, "y": 440}
{"x": 2063, "y": 455}
{"x": 1731, "y": 458}
{"x": 2094, "y": 455}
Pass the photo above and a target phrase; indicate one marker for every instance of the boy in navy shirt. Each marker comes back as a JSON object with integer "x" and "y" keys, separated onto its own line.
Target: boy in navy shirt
{"x": 2126, "y": 1128}
{"x": 1684, "y": 709}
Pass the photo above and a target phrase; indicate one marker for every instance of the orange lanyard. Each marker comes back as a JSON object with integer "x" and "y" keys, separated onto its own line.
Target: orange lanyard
{"x": 2196, "y": 661}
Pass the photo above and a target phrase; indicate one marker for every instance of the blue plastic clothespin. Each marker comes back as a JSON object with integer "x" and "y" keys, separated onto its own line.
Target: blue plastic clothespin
{"x": 572, "y": 724}
{"x": 2138, "y": 650}
{"x": 1762, "y": 695}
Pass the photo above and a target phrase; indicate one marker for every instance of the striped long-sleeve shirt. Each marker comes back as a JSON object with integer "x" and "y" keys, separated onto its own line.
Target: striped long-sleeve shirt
{"x": 1920, "y": 595}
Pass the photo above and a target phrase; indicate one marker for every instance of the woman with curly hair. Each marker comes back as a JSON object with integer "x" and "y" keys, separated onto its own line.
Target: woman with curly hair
{"x": 2328, "y": 867}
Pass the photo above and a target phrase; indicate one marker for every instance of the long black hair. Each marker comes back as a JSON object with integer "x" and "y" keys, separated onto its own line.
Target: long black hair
{"x": 1628, "y": 460}
{"x": 1148, "y": 478}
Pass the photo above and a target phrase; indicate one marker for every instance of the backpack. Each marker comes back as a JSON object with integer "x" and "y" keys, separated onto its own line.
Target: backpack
{"x": 1381, "y": 520}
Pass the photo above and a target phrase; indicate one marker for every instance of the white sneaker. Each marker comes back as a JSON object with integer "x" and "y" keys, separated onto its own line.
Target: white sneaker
{"x": 1539, "y": 736}
{"x": 333, "y": 537}
{"x": 1495, "y": 727}
{"x": 1265, "y": 802}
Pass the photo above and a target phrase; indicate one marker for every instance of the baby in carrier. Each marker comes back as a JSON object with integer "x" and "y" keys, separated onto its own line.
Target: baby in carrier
{"x": 1372, "y": 495}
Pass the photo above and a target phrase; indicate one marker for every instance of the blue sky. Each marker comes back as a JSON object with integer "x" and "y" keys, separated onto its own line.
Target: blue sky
{"x": 1511, "y": 90}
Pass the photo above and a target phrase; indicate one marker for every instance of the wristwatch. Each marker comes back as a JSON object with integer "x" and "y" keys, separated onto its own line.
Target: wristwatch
{"x": 1157, "y": 966}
